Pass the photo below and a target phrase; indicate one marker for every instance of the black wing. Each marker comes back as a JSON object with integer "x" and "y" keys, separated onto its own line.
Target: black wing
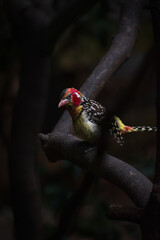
{"x": 94, "y": 110}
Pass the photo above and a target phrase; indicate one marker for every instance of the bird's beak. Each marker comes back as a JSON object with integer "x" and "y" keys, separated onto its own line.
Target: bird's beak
{"x": 63, "y": 102}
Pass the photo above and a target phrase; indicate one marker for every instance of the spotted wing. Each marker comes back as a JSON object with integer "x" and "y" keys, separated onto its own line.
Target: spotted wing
{"x": 95, "y": 111}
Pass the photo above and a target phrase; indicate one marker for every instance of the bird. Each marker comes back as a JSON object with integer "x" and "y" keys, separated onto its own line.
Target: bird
{"x": 88, "y": 115}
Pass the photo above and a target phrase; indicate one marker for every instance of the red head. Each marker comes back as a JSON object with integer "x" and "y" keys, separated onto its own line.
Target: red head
{"x": 70, "y": 97}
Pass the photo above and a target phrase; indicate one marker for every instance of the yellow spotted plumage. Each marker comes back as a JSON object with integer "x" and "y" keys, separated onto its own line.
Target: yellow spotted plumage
{"x": 86, "y": 129}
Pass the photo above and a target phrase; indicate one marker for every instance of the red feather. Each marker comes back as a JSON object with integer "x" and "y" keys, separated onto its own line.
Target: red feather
{"x": 72, "y": 90}
{"x": 75, "y": 99}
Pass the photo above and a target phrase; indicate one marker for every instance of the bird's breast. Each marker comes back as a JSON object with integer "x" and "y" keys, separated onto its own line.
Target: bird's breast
{"x": 85, "y": 129}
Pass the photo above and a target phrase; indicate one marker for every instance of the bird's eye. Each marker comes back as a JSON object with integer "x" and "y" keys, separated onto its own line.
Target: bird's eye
{"x": 69, "y": 96}
{"x": 63, "y": 93}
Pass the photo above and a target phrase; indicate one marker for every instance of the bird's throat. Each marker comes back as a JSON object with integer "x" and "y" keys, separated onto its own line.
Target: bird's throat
{"x": 75, "y": 112}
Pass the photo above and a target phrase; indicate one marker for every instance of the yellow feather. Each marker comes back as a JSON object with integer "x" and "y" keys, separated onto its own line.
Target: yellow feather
{"x": 86, "y": 129}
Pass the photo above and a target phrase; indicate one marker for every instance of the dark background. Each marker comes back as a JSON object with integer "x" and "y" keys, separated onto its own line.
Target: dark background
{"x": 74, "y": 57}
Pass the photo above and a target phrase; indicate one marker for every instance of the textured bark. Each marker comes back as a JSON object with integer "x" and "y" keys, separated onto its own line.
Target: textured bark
{"x": 125, "y": 213}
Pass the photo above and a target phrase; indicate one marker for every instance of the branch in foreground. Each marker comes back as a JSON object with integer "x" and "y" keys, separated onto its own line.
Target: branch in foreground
{"x": 131, "y": 181}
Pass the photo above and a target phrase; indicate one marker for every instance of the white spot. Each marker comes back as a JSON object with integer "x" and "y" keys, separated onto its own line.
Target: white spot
{"x": 77, "y": 94}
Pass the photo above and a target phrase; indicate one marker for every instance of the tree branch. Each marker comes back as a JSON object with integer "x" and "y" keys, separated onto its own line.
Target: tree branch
{"x": 135, "y": 184}
{"x": 125, "y": 213}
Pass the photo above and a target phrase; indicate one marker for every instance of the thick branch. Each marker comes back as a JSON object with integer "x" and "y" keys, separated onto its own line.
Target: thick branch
{"x": 125, "y": 213}
{"x": 119, "y": 52}
{"x": 136, "y": 185}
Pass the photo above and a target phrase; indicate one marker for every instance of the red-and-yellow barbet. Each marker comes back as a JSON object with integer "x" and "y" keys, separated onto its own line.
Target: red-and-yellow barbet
{"x": 87, "y": 116}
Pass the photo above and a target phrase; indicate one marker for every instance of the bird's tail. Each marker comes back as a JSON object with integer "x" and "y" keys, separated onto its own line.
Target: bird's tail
{"x": 144, "y": 129}
{"x": 115, "y": 130}
{"x": 119, "y": 129}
